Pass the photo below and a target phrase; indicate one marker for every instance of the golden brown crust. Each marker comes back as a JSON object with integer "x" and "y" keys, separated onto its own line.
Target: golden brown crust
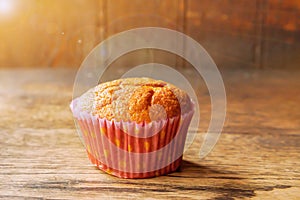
{"x": 139, "y": 100}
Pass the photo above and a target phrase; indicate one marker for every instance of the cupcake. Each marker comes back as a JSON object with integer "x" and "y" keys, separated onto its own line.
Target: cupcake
{"x": 134, "y": 127}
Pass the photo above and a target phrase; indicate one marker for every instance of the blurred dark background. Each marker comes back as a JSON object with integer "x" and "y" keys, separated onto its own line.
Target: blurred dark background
{"x": 236, "y": 33}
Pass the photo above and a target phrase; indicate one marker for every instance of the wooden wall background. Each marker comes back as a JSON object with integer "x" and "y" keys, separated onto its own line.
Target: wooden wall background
{"x": 237, "y": 33}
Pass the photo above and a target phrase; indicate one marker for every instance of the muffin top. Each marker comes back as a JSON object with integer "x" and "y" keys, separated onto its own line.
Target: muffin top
{"x": 135, "y": 99}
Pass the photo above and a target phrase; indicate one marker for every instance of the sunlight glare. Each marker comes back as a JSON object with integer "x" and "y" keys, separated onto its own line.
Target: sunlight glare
{"x": 6, "y": 6}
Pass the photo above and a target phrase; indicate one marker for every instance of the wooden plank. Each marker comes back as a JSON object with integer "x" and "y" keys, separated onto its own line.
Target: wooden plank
{"x": 257, "y": 156}
{"x": 238, "y": 34}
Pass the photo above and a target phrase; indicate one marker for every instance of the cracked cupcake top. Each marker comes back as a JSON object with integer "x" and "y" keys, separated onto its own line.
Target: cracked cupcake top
{"x": 135, "y": 99}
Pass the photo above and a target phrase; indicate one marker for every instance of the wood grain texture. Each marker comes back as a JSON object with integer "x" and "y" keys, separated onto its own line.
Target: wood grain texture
{"x": 238, "y": 34}
{"x": 257, "y": 156}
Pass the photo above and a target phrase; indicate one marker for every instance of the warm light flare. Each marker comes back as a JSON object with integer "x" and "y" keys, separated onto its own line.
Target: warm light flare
{"x": 6, "y": 6}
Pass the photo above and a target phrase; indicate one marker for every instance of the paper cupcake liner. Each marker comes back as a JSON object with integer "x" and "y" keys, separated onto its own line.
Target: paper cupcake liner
{"x": 113, "y": 148}
{"x": 166, "y": 170}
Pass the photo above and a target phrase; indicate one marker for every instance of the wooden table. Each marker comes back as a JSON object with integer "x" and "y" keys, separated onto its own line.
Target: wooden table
{"x": 256, "y": 157}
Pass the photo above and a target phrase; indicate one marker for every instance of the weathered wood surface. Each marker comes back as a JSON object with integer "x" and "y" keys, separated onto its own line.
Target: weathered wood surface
{"x": 256, "y": 157}
{"x": 238, "y": 34}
